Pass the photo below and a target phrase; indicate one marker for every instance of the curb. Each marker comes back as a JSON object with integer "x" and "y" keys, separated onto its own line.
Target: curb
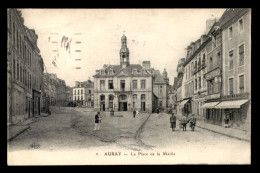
{"x": 224, "y": 134}
{"x": 18, "y": 134}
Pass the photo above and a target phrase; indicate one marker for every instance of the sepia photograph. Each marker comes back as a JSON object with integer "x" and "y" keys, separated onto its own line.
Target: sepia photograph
{"x": 128, "y": 86}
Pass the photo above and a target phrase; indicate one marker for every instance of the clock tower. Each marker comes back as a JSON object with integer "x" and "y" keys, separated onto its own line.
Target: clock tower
{"x": 124, "y": 52}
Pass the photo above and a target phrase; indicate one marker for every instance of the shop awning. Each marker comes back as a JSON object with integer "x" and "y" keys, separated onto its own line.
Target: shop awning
{"x": 231, "y": 104}
{"x": 209, "y": 105}
{"x": 183, "y": 102}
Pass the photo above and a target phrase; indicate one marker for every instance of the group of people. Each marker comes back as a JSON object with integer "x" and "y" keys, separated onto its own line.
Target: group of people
{"x": 183, "y": 121}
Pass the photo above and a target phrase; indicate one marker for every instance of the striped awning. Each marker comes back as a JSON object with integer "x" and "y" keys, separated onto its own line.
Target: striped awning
{"x": 209, "y": 105}
{"x": 231, "y": 104}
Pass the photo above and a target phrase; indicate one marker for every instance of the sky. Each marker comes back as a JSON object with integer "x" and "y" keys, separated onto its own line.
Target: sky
{"x": 157, "y": 35}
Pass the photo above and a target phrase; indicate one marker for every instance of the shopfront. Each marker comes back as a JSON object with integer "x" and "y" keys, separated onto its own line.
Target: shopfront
{"x": 235, "y": 111}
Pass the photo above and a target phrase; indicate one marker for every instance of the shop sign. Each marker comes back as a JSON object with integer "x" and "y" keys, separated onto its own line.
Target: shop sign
{"x": 236, "y": 96}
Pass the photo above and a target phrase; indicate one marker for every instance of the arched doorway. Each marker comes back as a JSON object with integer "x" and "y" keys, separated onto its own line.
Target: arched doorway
{"x": 122, "y": 99}
{"x": 111, "y": 99}
{"x": 102, "y": 103}
{"x": 143, "y": 102}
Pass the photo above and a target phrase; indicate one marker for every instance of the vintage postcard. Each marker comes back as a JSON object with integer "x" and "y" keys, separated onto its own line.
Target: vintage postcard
{"x": 128, "y": 86}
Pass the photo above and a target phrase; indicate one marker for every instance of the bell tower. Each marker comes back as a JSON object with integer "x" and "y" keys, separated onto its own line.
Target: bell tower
{"x": 124, "y": 52}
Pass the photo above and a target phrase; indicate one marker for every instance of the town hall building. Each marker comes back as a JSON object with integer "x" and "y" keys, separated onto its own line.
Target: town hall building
{"x": 127, "y": 87}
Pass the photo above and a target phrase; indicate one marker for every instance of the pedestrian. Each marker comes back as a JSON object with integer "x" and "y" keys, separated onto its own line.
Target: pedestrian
{"x": 226, "y": 120}
{"x": 193, "y": 122}
{"x": 134, "y": 113}
{"x": 173, "y": 121}
{"x": 98, "y": 119}
{"x": 137, "y": 112}
{"x": 183, "y": 122}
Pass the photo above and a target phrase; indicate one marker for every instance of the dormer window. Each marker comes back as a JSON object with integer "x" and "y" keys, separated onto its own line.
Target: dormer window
{"x": 102, "y": 72}
{"x": 134, "y": 71}
{"x": 110, "y": 72}
{"x": 143, "y": 72}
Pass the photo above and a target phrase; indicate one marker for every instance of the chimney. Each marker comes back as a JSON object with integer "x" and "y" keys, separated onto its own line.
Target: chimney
{"x": 209, "y": 24}
{"x": 146, "y": 64}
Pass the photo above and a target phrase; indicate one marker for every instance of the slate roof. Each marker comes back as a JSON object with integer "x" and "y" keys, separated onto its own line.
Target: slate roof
{"x": 127, "y": 70}
{"x": 229, "y": 14}
{"x": 158, "y": 77}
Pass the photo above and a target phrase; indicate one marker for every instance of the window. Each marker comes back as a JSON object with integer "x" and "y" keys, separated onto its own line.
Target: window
{"x": 81, "y": 91}
{"x": 231, "y": 86}
{"x": 203, "y": 59}
{"x": 134, "y": 84}
{"x": 81, "y": 97}
{"x": 134, "y": 104}
{"x": 142, "y": 84}
{"x": 110, "y": 84}
{"x": 210, "y": 87}
{"x": 111, "y": 98}
{"x": 21, "y": 74}
{"x": 75, "y": 98}
{"x": 192, "y": 87}
{"x": 199, "y": 63}
{"x": 230, "y": 32}
{"x": 122, "y": 85}
{"x": 14, "y": 72}
{"x": 210, "y": 63}
{"x": 17, "y": 40}
{"x": 241, "y": 84}
{"x": 13, "y": 33}
{"x": 241, "y": 55}
{"x": 75, "y": 92}
{"x": 102, "y": 72}
{"x": 199, "y": 82}
{"x": 218, "y": 59}
{"x": 134, "y": 96}
{"x": 143, "y": 97}
{"x": 231, "y": 60}
{"x": 160, "y": 103}
{"x": 110, "y": 72}
{"x": 102, "y": 98}
{"x": 160, "y": 89}
{"x": 102, "y": 84}
{"x": 195, "y": 66}
{"x": 17, "y": 69}
{"x": 78, "y": 97}
{"x": 89, "y": 91}
{"x": 134, "y": 71}
{"x": 240, "y": 25}
{"x": 195, "y": 84}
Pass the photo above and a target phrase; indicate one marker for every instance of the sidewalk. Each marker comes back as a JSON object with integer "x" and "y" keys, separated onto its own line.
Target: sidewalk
{"x": 230, "y": 132}
{"x": 14, "y": 130}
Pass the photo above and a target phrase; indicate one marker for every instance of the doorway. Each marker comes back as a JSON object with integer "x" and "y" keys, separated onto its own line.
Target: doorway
{"x": 142, "y": 106}
{"x": 122, "y": 106}
{"x": 102, "y": 106}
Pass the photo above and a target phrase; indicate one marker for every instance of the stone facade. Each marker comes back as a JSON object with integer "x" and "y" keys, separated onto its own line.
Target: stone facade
{"x": 26, "y": 69}
{"x": 83, "y": 94}
{"x": 123, "y": 87}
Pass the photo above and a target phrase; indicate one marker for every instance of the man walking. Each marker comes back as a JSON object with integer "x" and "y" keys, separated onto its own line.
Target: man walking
{"x": 173, "y": 121}
{"x": 97, "y": 121}
{"x": 183, "y": 122}
{"x": 134, "y": 113}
